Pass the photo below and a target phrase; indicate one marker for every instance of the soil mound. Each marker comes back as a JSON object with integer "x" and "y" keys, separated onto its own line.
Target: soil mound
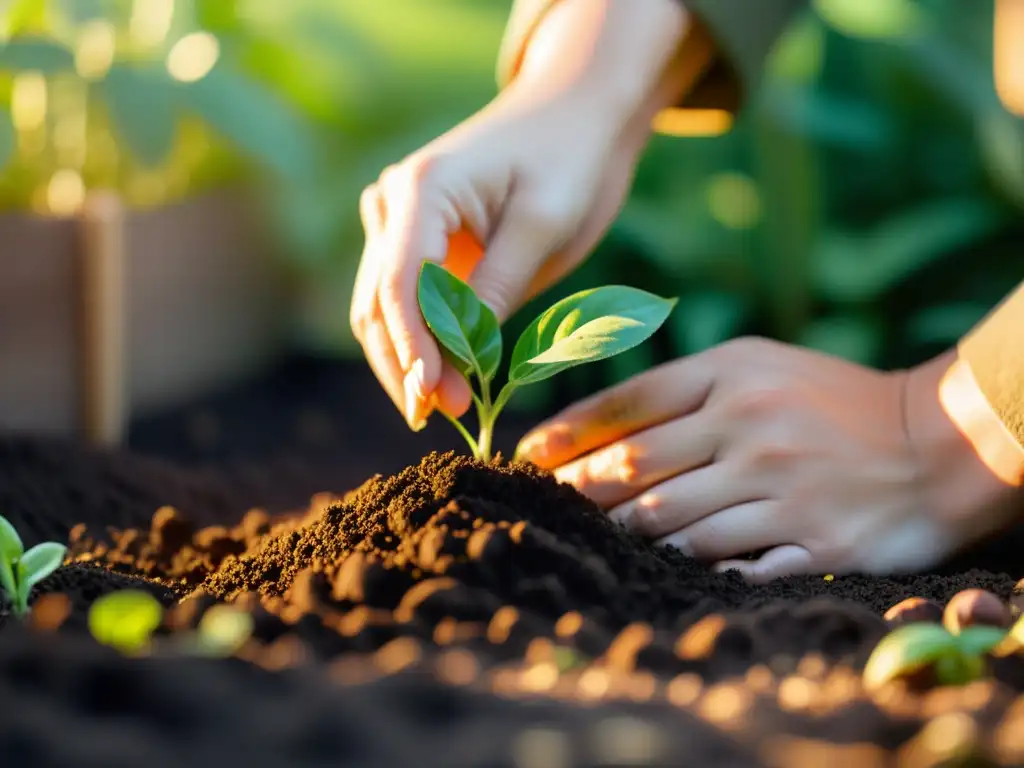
{"x": 396, "y": 612}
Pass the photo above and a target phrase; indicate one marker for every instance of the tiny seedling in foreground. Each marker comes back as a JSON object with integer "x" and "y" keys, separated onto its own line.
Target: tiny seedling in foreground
{"x": 125, "y": 620}
{"x": 954, "y": 658}
{"x": 21, "y": 570}
{"x": 583, "y": 328}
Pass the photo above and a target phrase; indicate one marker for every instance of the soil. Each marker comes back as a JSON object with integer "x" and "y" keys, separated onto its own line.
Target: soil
{"x": 444, "y": 613}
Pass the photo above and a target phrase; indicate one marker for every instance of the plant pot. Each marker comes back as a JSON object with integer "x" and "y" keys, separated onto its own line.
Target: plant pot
{"x": 190, "y": 299}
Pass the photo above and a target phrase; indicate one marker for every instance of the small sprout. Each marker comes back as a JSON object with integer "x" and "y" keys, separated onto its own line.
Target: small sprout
{"x": 21, "y": 570}
{"x": 125, "y": 620}
{"x": 223, "y": 630}
{"x": 975, "y": 607}
{"x": 830, "y": 577}
{"x": 913, "y": 610}
{"x": 922, "y": 651}
{"x": 583, "y": 328}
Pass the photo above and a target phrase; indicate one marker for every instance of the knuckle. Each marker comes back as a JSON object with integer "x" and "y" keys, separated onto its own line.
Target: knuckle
{"x": 771, "y": 456}
{"x": 745, "y": 347}
{"x": 755, "y": 403}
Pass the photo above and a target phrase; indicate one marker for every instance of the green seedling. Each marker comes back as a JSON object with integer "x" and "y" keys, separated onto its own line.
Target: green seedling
{"x": 125, "y": 620}
{"x": 21, "y": 570}
{"x": 954, "y": 659}
{"x": 583, "y": 328}
{"x": 223, "y": 630}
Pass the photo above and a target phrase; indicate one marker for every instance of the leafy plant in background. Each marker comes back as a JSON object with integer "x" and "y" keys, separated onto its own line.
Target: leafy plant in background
{"x": 165, "y": 78}
{"x": 21, "y": 570}
{"x": 583, "y": 328}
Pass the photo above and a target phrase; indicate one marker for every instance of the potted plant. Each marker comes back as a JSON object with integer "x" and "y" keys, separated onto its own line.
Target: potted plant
{"x": 136, "y": 269}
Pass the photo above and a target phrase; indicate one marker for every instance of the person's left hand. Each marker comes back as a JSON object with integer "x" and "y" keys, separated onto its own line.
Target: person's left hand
{"x": 755, "y": 445}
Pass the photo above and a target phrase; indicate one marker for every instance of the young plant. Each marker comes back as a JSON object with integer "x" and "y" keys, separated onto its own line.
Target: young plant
{"x": 946, "y": 657}
{"x": 125, "y": 620}
{"x": 21, "y": 570}
{"x": 583, "y": 328}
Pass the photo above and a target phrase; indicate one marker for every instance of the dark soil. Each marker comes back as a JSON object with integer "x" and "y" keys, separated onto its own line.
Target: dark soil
{"x": 451, "y": 614}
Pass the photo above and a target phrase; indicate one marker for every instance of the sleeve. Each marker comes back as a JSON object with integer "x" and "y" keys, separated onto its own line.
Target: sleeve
{"x": 744, "y": 32}
{"x": 994, "y": 351}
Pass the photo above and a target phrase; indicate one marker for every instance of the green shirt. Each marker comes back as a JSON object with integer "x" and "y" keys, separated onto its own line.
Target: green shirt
{"x": 745, "y": 32}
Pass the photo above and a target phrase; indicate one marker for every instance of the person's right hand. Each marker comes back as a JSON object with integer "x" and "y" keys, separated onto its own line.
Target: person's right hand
{"x": 536, "y": 178}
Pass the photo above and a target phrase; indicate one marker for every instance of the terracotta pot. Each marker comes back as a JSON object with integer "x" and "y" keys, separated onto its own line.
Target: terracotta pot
{"x": 202, "y": 305}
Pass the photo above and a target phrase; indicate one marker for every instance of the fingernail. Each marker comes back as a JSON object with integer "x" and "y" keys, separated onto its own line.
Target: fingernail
{"x": 415, "y": 396}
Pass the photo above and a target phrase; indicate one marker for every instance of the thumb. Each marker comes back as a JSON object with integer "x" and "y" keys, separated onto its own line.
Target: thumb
{"x": 504, "y": 275}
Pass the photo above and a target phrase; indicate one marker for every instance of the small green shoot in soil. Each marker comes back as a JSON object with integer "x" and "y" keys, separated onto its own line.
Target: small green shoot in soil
{"x": 953, "y": 658}
{"x": 125, "y": 620}
{"x": 21, "y": 570}
{"x": 588, "y": 326}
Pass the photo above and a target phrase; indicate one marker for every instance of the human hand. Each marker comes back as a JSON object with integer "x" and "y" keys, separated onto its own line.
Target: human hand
{"x": 755, "y": 445}
{"x": 537, "y": 177}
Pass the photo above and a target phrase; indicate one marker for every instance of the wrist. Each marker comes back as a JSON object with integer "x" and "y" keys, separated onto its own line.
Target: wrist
{"x": 972, "y": 469}
{"x": 619, "y": 62}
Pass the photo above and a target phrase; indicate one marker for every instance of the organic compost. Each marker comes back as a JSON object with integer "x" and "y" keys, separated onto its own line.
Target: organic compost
{"x": 447, "y": 613}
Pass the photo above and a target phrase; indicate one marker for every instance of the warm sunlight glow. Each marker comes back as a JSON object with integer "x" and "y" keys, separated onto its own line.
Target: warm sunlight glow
{"x": 1009, "y": 54}
{"x": 28, "y": 101}
{"x": 734, "y": 200}
{"x": 65, "y": 193}
{"x": 94, "y": 51}
{"x": 693, "y": 122}
{"x": 192, "y": 57}
{"x": 150, "y": 22}
{"x": 965, "y": 404}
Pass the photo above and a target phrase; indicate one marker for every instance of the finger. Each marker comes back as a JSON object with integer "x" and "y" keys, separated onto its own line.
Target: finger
{"x": 364, "y": 293}
{"x": 416, "y": 230}
{"x": 683, "y": 500}
{"x": 729, "y": 532}
{"x": 670, "y": 391}
{"x": 384, "y": 363}
{"x": 453, "y": 395}
{"x": 784, "y": 560}
{"x": 627, "y": 468}
{"x": 518, "y": 245}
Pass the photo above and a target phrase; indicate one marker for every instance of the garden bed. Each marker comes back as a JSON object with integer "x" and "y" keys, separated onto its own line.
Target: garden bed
{"x": 449, "y": 614}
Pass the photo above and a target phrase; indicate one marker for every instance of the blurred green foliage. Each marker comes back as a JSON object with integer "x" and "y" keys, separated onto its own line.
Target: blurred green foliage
{"x": 868, "y": 202}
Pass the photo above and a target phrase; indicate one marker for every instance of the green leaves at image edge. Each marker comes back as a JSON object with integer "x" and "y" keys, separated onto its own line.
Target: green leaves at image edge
{"x": 916, "y": 646}
{"x": 586, "y": 327}
{"x": 37, "y": 54}
{"x": 906, "y": 650}
{"x": 464, "y": 325}
{"x": 141, "y": 102}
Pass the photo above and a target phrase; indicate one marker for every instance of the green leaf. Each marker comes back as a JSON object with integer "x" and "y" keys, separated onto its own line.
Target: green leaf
{"x": 26, "y": 16}
{"x": 125, "y": 620}
{"x": 7, "y": 143}
{"x": 588, "y": 326}
{"x": 254, "y": 119}
{"x": 38, "y": 563}
{"x": 959, "y": 669}
{"x": 906, "y": 650}
{"x": 11, "y": 547}
{"x": 463, "y": 324}
{"x": 142, "y": 106}
{"x": 872, "y": 19}
{"x": 9, "y": 583}
{"x": 979, "y": 639}
{"x": 35, "y": 54}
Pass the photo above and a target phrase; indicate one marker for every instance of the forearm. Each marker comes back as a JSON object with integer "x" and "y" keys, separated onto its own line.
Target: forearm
{"x": 629, "y": 58}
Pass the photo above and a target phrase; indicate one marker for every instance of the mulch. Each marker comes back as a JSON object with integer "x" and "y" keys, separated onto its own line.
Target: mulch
{"x": 414, "y": 607}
